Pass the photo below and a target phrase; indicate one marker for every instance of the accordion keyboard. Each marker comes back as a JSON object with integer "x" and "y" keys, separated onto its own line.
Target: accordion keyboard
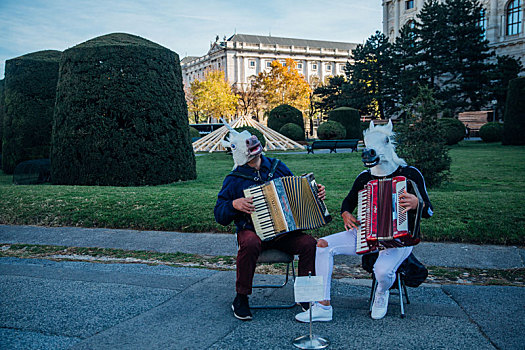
{"x": 361, "y": 243}
{"x": 267, "y": 219}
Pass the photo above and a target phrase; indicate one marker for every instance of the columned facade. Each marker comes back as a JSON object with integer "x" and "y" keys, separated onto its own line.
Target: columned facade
{"x": 504, "y": 22}
{"x": 242, "y": 57}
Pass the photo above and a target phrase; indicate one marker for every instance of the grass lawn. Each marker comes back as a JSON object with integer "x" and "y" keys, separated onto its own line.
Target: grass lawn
{"x": 483, "y": 203}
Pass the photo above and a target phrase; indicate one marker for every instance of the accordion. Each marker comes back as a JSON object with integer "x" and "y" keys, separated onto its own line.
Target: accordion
{"x": 286, "y": 204}
{"x": 383, "y": 223}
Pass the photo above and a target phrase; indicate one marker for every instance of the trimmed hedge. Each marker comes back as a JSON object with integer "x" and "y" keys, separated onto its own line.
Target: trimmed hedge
{"x": 29, "y": 98}
{"x": 1, "y": 117}
{"x": 120, "y": 116}
{"x": 350, "y": 119}
{"x": 491, "y": 132}
{"x": 194, "y": 132}
{"x": 292, "y": 131}
{"x": 514, "y": 126}
{"x": 453, "y": 130}
{"x": 331, "y": 130}
{"x": 255, "y": 132}
{"x": 285, "y": 114}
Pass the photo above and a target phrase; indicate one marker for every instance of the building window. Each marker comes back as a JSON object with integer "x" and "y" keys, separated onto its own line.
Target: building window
{"x": 409, "y": 4}
{"x": 252, "y": 63}
{"x": 328, "y": 67}
{"x": 514, "y": 17}
{"x": 268, "y": 64}
{"x": 483, "y": 21}
{"x": 314, "y": 66}
{"x": 299, "y": 66}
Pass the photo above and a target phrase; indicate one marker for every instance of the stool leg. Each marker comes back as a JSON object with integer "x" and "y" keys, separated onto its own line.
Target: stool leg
{"x": 405, "y": 290}
{"x": 401, "y": 301}
{"x": 372, "y": 293}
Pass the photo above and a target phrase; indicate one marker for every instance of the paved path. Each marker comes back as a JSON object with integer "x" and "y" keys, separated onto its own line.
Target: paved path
{"x": 79, "y": 305}
{"x": 432, "y": 254}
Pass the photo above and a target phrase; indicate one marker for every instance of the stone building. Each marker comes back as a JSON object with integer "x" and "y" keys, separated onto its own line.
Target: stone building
{"x": 243, "y": 56}
{"x": 503, "y": 21}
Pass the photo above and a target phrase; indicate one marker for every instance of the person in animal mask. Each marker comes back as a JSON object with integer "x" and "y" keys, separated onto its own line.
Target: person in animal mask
{"x": 380, "y": 158}
{"x": 253, "y": 168}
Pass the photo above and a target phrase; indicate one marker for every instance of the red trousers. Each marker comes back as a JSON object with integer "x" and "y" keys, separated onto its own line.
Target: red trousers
{"x": 250, "y": 246}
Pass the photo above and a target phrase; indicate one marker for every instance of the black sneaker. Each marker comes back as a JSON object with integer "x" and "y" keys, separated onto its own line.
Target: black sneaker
{"x": 241, "y": 308}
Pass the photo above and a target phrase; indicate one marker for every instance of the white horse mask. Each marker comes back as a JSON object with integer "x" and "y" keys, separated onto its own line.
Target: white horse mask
{"x": 244, "y": 146}
{"x": 380, "y": 152}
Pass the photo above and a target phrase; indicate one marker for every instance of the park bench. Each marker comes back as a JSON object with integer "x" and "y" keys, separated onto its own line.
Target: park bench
{"x": 332, "y": 145}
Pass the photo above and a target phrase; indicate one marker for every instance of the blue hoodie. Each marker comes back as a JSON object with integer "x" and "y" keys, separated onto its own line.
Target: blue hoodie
{"x": 233, "y": 186}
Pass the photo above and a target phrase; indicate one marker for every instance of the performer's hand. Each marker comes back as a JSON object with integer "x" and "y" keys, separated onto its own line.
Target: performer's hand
{"x": 322, "y": 192}
{"x": 350, "y": 221}
{"x": 244, "y": 204}
{"x": 408, "y": 201}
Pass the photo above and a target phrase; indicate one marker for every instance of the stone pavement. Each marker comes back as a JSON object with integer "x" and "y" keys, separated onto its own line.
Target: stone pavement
{"x": 60, "y": 305}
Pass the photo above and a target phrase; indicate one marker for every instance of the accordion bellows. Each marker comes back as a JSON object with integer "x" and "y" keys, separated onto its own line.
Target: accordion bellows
{"x": 287, "y": 204}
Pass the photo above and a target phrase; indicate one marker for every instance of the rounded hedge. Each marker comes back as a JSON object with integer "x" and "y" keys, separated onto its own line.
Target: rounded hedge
{"x": 491, "y": 132}
{"x": 285, "y": 114}
{"x": 255, "y": 132}
{"x": 514, "y": 126}
{"x": 29, "y": 98}
{"x": 350, "y": 119}
{"x": 331, "y": 130}
{"x": 120, "y": 116}
{"x": 194, "y": 133}
{"x": 292, "y": 131}
{"x": 453, "y": 130}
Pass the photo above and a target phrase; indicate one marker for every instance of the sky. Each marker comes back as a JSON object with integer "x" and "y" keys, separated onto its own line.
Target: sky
{"x": 186, "y": 27}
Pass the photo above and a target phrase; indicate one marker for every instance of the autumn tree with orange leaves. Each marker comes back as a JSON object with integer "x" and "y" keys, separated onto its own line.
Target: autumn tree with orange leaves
{"x": 283, "y": 84}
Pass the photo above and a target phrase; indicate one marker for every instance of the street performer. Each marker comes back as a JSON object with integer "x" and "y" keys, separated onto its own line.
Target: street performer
{"x": 253, "y": 168}
{"x": 380, "y": 157}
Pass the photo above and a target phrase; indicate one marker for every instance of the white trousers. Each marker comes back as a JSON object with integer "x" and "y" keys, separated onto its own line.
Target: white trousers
{"x": 344, "y": 243}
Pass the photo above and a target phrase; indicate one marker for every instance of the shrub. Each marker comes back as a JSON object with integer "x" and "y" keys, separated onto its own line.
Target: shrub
{"x": 120, "y": 116}
{"x": 331, "y": 130}
{"x": 292, "y": 131}
{"x": 29, "y": 98}
{"x": 514, "y": 126}
{"x": 255, "y": 132}
{"x": 285, "y": 114}
{"x": 491, "y": 132}
{"x": 1, "y": 117}
{"x": 194, "y": 133}
{"x": 453, "y": 130}
{"x": 349, "y": 118}
{"x": 420, "y": 139}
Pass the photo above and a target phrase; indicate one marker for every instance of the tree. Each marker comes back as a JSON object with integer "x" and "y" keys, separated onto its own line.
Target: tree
{"x": 250, "y": 99}
{"x": 369, "y": 86}
{"x": 420, "y": 139}
{"x": 505, "y": 69}
{"x": 212, "y": 97}
{"x": 283, "y": 84}
{"x": 328, "y": 95}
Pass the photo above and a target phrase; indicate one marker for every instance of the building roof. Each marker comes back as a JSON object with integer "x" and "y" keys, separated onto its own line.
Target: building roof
{"x": 188, "y": 59}
{"x": 272, "y": 40}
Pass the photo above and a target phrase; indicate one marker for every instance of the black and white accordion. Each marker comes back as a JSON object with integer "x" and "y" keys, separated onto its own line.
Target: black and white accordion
{"x": 383, "y": 223}
{"x": 287, "y": 204}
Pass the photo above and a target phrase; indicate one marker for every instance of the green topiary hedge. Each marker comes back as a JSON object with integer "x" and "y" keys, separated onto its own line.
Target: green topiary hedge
{"x": 120, "y": 116}
{"x": 349, "y": 118}
{"x": 331, "y": 130}
{"x": 1, "y": 117}
{"x": 255, "y": 132}
{"x": 292, "y": 131}
{"x": 491, "y": 132}
{"x": 29, "y": 98}
{"x": 194, "y": 132}
{"x": 285, "y": 114}
{"x": 453, "y": 130}
{"x": 514, "y": 126}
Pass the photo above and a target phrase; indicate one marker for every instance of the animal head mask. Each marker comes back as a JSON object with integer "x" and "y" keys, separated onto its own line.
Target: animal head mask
{"x": 244, "y": 145}
{"x": 380, "y": 152}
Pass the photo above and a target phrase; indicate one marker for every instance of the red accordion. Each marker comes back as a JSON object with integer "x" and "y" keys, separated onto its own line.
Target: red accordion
{"x": 383, "y": 223}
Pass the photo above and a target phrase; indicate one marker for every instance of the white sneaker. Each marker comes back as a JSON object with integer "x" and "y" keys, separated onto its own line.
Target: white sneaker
{"x": 318, "y": 314}
{"x": 380, "y": 305}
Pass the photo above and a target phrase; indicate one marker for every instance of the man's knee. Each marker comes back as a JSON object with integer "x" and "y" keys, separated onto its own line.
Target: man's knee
{"x": 250, "y": 242}
{"x": 383, "y": 272}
